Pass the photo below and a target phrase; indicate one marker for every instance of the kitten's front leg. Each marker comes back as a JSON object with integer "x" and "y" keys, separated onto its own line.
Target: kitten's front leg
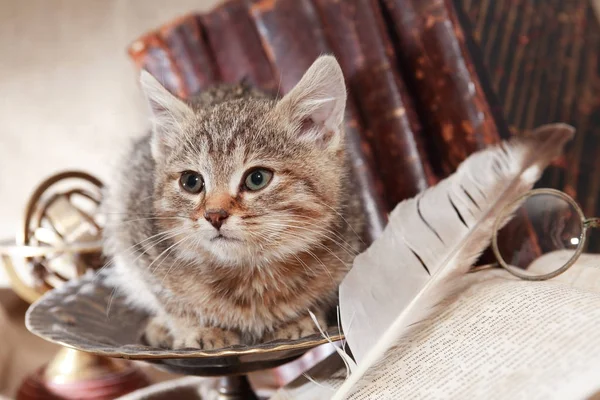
{"x": 157, "y": 333}
{"x": 202, "y": 337}
{"x": 296, "y": 329}
{"x": 173, "y": 333}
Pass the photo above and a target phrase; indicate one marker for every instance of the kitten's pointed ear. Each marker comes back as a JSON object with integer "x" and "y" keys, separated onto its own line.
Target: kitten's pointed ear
{"x": 168, "y": 112}
{"x": 315, "y": 106}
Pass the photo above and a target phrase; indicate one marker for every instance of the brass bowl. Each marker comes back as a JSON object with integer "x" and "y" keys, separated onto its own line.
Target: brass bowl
{"x": 75, "y": 315}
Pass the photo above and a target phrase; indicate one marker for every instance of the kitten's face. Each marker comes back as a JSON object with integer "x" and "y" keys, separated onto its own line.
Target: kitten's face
{"x": 252, "y": 180}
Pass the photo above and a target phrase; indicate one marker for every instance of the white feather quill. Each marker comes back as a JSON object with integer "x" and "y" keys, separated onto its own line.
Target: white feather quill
{"x": 433, "y": 238}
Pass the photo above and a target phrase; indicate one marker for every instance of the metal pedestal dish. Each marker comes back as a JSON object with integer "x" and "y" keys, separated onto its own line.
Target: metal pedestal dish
{"x": 78, "y": 315}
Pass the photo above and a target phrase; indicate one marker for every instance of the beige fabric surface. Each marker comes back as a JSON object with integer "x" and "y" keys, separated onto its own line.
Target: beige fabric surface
{"x": 69, "y": 95}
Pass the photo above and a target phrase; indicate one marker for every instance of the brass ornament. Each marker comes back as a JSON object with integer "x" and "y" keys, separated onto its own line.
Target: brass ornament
{"x": 60, "y": 235}
{"x": 59, "y": 240}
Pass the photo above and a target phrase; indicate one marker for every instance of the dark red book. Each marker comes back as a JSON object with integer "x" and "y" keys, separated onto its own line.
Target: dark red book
{"x": 236, "y": 46}
{"x": 431, "y": 50}
{"x": 177, "y": 56}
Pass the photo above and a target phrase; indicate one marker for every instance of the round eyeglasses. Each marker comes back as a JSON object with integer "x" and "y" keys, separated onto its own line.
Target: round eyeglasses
{"x": 540, "y": 222}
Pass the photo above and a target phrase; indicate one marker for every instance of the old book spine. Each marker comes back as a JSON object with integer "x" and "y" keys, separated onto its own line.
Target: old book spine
{"x": 236, "y": 46}
{"x": 357, "y": 33}
{"x": 291, "y": 34}
{"x": 431, "y": 48}
{"x": 177, "y": 55}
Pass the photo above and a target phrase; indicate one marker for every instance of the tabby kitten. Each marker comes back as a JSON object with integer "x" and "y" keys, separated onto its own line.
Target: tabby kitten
{"x": 234, "y": 217}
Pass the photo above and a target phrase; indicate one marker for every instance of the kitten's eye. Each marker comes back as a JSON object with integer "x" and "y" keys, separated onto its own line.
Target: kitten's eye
{"x": 191, "y": 182}
{"x": 257, "y": 179}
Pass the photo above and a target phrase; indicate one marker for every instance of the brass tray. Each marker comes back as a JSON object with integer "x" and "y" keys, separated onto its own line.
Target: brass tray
{"x": 75, "y": 315}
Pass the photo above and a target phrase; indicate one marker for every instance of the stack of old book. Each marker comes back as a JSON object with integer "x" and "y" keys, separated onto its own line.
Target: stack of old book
{"x": 418, "y": 105}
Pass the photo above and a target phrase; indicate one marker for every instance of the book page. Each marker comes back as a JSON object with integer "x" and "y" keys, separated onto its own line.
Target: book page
{"x": 501, "y": 338}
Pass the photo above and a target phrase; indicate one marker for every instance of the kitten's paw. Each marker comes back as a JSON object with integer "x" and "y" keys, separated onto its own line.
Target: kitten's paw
{"x": 157, "y": 334}
{"x": 297, "y": 329}
{"x": 206, "y": 338}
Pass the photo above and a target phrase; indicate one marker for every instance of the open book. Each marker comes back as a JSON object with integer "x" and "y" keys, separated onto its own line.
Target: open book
{"x": 501, "y": 338}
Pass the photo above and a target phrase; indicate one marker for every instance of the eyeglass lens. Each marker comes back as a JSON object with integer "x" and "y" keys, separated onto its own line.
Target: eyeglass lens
{"x": 544, "y": 223}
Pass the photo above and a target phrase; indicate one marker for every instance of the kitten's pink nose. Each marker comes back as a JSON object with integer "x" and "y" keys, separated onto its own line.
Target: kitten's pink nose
{"x": 216, "y": 217}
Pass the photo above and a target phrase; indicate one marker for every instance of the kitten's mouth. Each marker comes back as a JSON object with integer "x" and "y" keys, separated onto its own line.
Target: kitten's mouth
{"x": 221, "y": 238}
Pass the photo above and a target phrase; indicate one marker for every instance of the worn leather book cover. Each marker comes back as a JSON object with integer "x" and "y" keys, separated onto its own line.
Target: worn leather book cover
{"x": 431, "y": 50}
{"x": 178, "y": 56}
{"x": 237, "y": 48}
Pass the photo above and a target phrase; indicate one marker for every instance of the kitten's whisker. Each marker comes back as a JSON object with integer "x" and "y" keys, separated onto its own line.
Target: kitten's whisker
{"x": 167, "y": 232}
{"x": 305, "y": 266}
{"x": 170, "y": 234}
{"x": 160, "y": 255}
{"x": 146, "y": 198}
{"x": 279, "y": 86}
{"x": 178, "y": 262}
{"x": 113, "y": 260}
{"x": 321, "y": 245}
{"x": 173, "y": 266}
{"x": 323, "y": 234}
{"x": 342, "y": 217}
{"x": 102, "y": 212}
{"x": 322, "y": 264}
{"x": 170, "y": 250}
{"x": 129, "y": 250}
{"x": 267, "y": 237}
{"x": 139, "y": 214}
{"x": 114, "y": 223}
{"x": 318, "y": 220}
{"x": 313, "y": 255}
{"x": 110, "y": 299}
{"x": 329, "y": 230}
{"x": 113, "y": 292}
{"x": 326, "y": 248}
{"x": 142, "y": 253}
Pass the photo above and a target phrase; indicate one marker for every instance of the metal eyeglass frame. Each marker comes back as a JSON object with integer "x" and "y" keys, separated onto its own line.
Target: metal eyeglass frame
{"x": 586, "y": 223}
